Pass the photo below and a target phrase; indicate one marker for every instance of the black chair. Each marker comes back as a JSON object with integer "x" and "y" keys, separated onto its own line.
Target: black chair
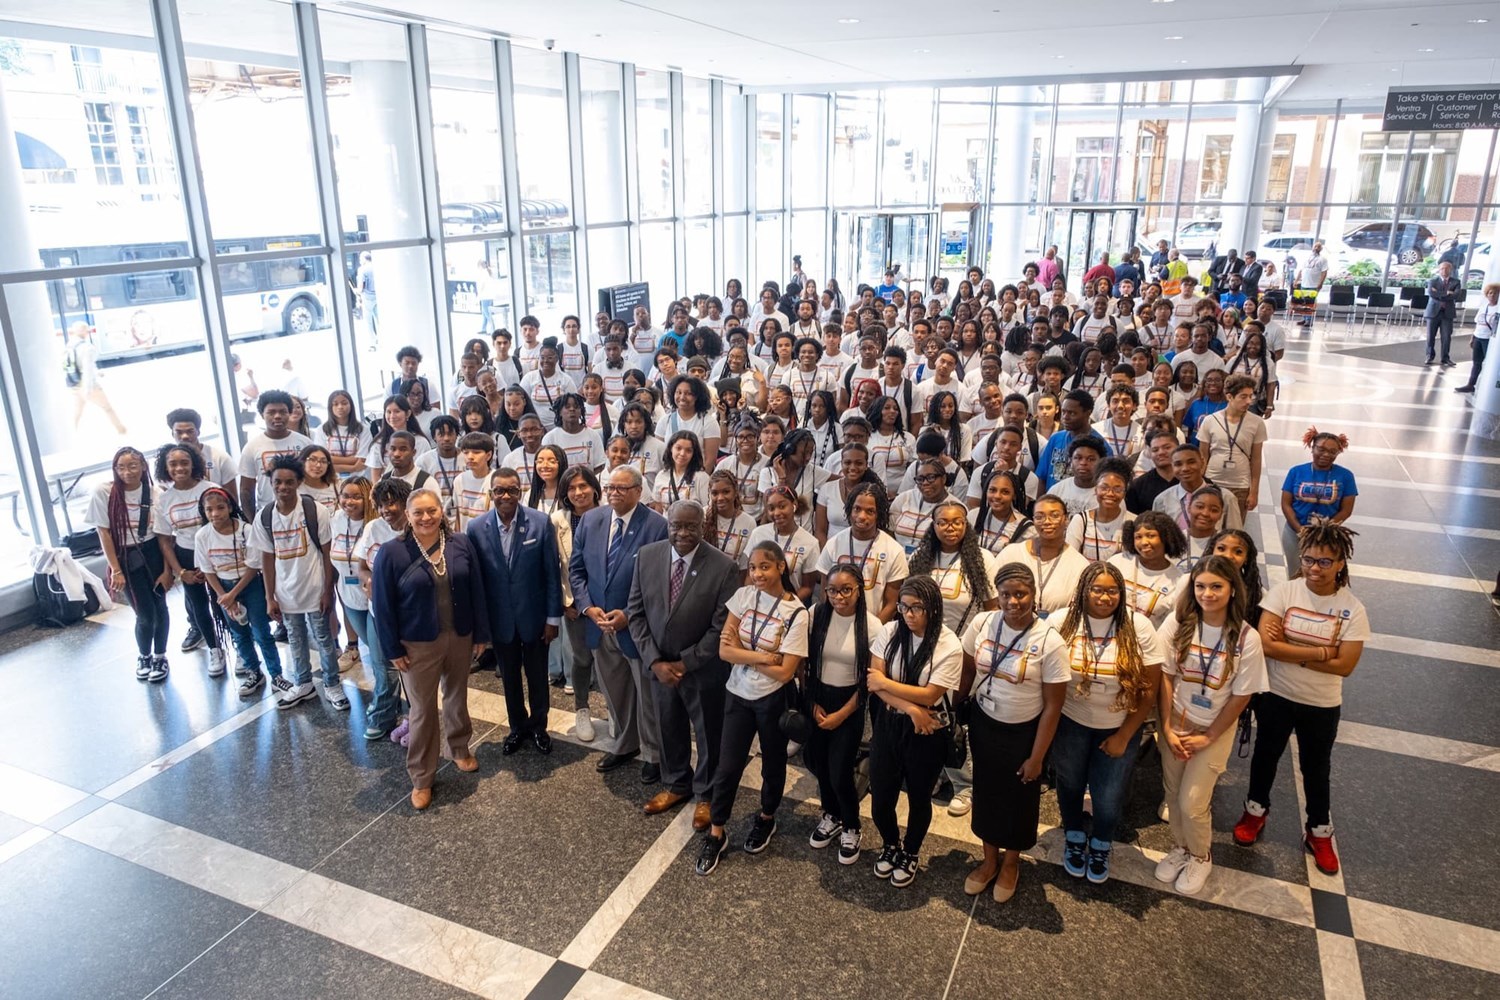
{"x": 1341, "y": 302}
{"x": 1381, "y": 303}
{"x": 1403, "y": 307}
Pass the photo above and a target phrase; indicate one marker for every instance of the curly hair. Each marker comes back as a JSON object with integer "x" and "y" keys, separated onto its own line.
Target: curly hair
{"x": 194, "y": 456}
{"x": 970, "y": 555}
{"x": 1321, "y": 532}
{"x": 1130, "y": 665}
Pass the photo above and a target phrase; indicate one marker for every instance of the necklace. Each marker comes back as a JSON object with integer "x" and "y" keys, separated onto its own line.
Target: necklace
{"x": 440, "y": 564}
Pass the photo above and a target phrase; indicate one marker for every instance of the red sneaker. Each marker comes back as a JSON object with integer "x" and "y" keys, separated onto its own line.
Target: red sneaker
{"x": 1247, "y": 831}
{"x": 1321, "y": 848}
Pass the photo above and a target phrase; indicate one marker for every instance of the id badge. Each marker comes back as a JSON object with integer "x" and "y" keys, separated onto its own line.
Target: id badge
{"x": 352, "y": 581}
{"x": 989, "y": 702}
{"x": 1202, "y": 701}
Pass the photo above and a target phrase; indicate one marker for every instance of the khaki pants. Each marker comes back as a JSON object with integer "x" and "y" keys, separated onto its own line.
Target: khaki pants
{"x": 442, "y": 663}
{"x": 1189, "y": 786}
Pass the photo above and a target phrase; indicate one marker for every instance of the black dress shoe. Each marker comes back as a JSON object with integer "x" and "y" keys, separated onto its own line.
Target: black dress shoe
{"x": 1463, "y": 388}
{"x": 512, "y": 743}
{"x": 650, "y": 774}
{"x": 1429, "y": 362}
{"x": 542, "y": 741}
{"x": 610, "y": 761}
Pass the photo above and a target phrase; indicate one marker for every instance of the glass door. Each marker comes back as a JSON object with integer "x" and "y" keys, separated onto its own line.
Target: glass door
{"x": 958, "y": 233}
{"x": 909, "y": 248}
{"x": 866, "y": 243}
{"x": 1093, "y": 231}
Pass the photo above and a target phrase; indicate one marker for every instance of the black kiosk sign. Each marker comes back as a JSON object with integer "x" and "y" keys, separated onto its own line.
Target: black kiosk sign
{"x": 1441, "y": 109}
{"x": 619, "y": 301}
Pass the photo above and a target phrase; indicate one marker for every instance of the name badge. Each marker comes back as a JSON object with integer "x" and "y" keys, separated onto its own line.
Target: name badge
{"x": 1202, "y": 701}
{"x": 352, "y": 581}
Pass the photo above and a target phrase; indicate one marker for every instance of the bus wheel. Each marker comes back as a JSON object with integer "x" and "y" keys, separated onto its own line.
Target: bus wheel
{"x": 299, "y": 317}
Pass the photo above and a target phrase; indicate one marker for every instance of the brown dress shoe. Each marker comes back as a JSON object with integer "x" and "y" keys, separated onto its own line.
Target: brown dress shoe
{"x": 421, "y": 798}
{"x": 662, "y": 801}
{"x": 466, "y": 763}
{"x": 701, "y": 816}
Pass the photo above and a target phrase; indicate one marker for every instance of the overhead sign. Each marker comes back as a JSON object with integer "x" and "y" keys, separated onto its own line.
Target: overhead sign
{"x": 1441, "y": 109}
{"x": 620, "y": 300}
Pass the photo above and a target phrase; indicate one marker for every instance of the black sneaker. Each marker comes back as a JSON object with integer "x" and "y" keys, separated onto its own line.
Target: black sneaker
{"x": 1463, "y": 388}
{"x": 142, "y": 667}
{"x": 762, "y": 829}
{"x": 1098, "y": 866}
{"x": 193, "y": 640}
{"x": 710, "y": 852}
{"x": 252, "y": 686}
{"x": 886, "y": 863}
{"x": 279, "y": 633}
{"x": 158, "y": 670}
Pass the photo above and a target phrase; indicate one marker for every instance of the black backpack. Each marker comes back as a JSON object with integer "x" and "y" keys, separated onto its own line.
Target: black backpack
{"x": 309, "y": 517}
{"x": 53, "y": 608}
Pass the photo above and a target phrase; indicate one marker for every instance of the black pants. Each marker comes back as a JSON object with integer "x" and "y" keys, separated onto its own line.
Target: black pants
{"x": 1443, "y": 322}
{"x": 743, "y": 721}
{"x": 1276, "y": 719}
{"x": 516, "y": 660}
{"x": 199, "y": 605}
{"x": 143, "y": 564}
{"x": 830, "y": 756}
{"x": 1479, "y": 347}
{"x": 897, "y": 754}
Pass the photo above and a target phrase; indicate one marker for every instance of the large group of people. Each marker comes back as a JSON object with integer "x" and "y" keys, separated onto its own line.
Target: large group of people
{"x": 968, "y": 544}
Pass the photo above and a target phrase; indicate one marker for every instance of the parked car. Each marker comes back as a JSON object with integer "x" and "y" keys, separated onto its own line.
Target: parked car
{"x": 1278, "y": 246}
{"x": 1194, "y": 239}
{"x": 1370, "y": 241}
{"x": 1458, "y": 253}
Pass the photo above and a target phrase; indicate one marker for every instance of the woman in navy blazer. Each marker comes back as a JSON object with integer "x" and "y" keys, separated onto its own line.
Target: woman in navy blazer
{"x": 427, "y": 599}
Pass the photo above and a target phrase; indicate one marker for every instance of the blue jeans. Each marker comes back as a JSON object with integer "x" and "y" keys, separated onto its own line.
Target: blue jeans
{"x": 256, "y": 631}
{"x": 1078, "y": 764}
{"x": 385, "y": 705}
{"x": 297, "y": 627}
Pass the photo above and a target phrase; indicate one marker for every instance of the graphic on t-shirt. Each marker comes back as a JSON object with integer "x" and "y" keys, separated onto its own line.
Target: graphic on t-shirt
{"x": 732, "y": 543}
{"x": 762, "y": 630}
{"x": 226, "y": 558}
{"x": 341, "y": 549}
{"x": 1324, "y": 493}
{"x": 950, "y": 581}
{"x": 1012, "y": 668}
{"x": 1311, "y": 628}
{"x": 471, "y": 503}
{"x": 290, "y": 543}
{"x": 909, "y": 526}
{"x": 268, "y": 458}
{"x": 1191, "y": 670}
{"x": 1144, "y": 597}
{"x": 183, "y": 515}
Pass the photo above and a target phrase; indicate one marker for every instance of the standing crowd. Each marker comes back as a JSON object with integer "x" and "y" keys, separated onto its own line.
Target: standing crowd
{"x": 957, "y": 545}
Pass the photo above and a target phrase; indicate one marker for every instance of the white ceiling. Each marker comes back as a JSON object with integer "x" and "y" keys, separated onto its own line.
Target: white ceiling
{"x": 1349, "y": 48}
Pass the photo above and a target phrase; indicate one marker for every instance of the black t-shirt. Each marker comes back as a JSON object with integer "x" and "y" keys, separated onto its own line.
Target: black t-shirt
{"x": 1144, "y": 490}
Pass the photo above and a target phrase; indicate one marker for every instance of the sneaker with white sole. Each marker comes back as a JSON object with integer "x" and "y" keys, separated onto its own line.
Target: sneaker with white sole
{"x": 1190, "y": 882}
{"x": 192, "y": 640}
{"x": 1098, "y": 866}
{"x": 293, "y": 694}
{"x": 824, "y": 833}
{"x": 1164, "y": 812}
{"x": 252, "y": 686}
{"x": 710, "y": 852}
{"x": 1171, "y": 866}
{"x": 349, "y": 657}
{"x": 905, "y": 871}
{"x": 218, "y": 664}
{"x": 961, "y": 803}
{"x": 568, "y": 687}
{"x": 584, "y": 727}
{"x": 848, "y": 846}
{"x": 142, "y": 667}
{"x": 159, "y": 670}
{"x": 334, "y": 692}
{"x": 762, "y": 829}
{"x": 886, "y": 863}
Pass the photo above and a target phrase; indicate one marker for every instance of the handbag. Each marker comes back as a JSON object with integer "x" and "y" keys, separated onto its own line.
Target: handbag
{"x": 956, "y": 749}
{"x": 795, "y": 721}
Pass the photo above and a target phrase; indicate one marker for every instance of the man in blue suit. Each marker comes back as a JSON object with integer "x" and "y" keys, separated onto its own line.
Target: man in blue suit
{"x": 517, "y": 553}
{"x": 600, "y": 572}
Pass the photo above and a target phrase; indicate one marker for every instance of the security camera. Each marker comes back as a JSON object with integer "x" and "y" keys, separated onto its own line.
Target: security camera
{"x": 550, "y": 43}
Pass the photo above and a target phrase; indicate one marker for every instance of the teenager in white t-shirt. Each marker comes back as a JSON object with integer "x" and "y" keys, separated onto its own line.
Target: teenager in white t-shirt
{"x": 1151, "y": 550}
{"x": 176, "y": 520}
{"x": 218, "y": 465}
{"x": 471, "y": 488}
{"x": 880, "y": 558}
{"x": 262, "y": 451}
{"x": 1314, "y": 631}
{"x": 784, "y": 527}
{"x": 121, "y": 510}
{"x": 1212, "y": 665}
{"x": 221, "y": 549}
{"x": 1232, "y": 441}
{"x": 728, "y": 527}
{"x": 1055, "y": 566}
{"x": 1096, "y": 533}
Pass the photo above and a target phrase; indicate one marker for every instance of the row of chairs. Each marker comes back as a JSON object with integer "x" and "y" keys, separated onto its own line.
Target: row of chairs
{"x": 1367, "y": 301}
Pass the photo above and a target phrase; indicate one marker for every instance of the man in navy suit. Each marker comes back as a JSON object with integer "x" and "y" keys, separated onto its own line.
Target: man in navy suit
{"x": 600, "y": 572}
{"x": 517, "y": 553}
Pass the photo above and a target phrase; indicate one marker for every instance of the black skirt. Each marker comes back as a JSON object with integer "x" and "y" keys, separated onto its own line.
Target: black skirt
{"x": 1006, "y": 811}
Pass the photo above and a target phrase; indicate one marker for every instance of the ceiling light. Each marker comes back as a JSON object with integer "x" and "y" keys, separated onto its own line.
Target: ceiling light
{"x": 1172, "y": 38}
{"x": 1161, "y": 1}
{"x": 1182, "y": 62}
{"x": 1427, "y": 50}
{"x": 920, "y": 51}
{"x": 1479, "y": 20}
{"x": 1059, "y": 56}
{"x": 848, "y": 20}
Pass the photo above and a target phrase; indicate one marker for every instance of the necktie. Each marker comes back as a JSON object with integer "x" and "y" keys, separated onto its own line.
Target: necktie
{"x": 616, "y": 550}
{"x": 679, "y": 572}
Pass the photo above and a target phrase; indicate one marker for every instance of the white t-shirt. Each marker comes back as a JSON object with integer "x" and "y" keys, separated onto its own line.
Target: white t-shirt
{"x": 831, "y": 498}
{"x": 1151, "y": 591}
{"x": 649, "y": 456}
{"x": 801, "y": 549}
{"x": 995, "y": 535}
{"x": 748, "y": 478}
{"x": 766, "y": 624}
{"x": 1056, "y": 580}
{"x": 881, "y": 560}
{"x": 1201, "y": 689}
{"x": 444, "y": 470}
{"x": 1206, "y": 362}
{"x": 958, "y": 487}
{"x": 1308, "y": 619}
{"x": 667, "y": 488}
{"x": 705, "y": 425}
{"x": 98, "y": 513}
{"x": 733, "y": 537}
{"x": 471, "y": 497}
{"x": 225, "y": 556}
{"x": 1077, "y": 498}
{"x": 522, "y": 461}
{"x": 375, "y": 457}
{"x": 923, "y": 392}
{"x": 299, "y": 566}
{"x": 326, "y": 497}
{"x": 836, "y": 665}
{"x": 1230, "y": 445}
{"x": 219, "y": 467}
{"x": 175, "y": 513}
{"x": 584, "y": 447}
{"x": 889, "y": 456}
{"x": 259, "y": 455}
{"x": 1124, "y": 441}
{"x": 341, "y": 442}
{"x": 341, "y": 544}
{"x": 377, "y": 533}
{"x": 910, "y": 516}
{"x": 1095, "y": 659}
{"x": 1097, "y": 540}
{"x": 806, "y": 484}
{"x": 944, "y": 668}
{"x": 544, "y": 391}
{"x": 948, "y": 572}
{"x": 1026, "y": 661}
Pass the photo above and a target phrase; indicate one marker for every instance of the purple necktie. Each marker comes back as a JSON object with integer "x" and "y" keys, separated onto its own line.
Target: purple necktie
{"x": 679, "y": 571}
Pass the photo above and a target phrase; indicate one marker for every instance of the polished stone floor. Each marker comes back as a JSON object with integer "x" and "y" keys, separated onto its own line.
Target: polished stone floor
{"x": 171, "y": 841}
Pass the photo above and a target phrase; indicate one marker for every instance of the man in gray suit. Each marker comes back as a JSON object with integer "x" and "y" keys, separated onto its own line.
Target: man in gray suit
{"x": 1442, "y": 304}
{"x": 678, "y": 604}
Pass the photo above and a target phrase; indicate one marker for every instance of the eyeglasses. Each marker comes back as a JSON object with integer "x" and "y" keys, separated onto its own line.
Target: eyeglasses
{"x": 1308, "y": 562}
{"x": 617, "y": 488}
{"x": 929, "y": 477}
{"x": 506, "y": 491}
{"x": 845, "y": 591}
{"x": 1054, "y": 516}
{"x": 902, "y": 608}
{"x": 1104, "y": 592}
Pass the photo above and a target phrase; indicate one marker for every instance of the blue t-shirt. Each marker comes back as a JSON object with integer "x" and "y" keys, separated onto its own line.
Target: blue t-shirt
{"x": 886, "y": 291}
{"x": 1052, "y": 463}
{"x": 1318, "y": 494}
{"x": 1196, "y": 411}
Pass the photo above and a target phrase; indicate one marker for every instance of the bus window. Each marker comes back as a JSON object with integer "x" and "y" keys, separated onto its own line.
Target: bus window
{"x": 286, "y": 273}
{"x": 155, "y": 286}
{"x": 237, "y": 277}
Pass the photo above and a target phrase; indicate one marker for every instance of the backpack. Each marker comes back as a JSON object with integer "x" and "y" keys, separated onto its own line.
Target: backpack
{"x": 309, "y": 517}
{"x": 54, "y": 609}
{"x": 422, "y": 476}
{"x": 71, "y": 373}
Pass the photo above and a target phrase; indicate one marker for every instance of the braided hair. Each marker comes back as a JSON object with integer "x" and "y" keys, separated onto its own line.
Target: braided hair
{"x": 925, "y": 590}
{"x": 711, "y": 529}
{"x": 970, "y": 555}
{"x": 818, "y": 633}
{"x": 1189, "y": 612}
{"x": 119, "y": 517}
{"x": 875, "y": 491}
{"x": 1321, "y": 532}
{"x": 1130, "y": 665}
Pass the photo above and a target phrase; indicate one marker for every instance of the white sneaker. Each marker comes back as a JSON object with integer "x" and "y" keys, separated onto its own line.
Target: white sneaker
{"x": 848, "y": 846}
{"x": 568, "y": 687}
{"x": 335, "y": 694}
{"x": 295, "y": 694}
{"x": 1190, "y": 882}
{"x": 585, "y": 726}
{"x": 827, "y": 829}
{"x": 961, "y": 803}
{"x": 1171, "y": 866}
{"x": 217, "y": 664}
{"x": 1163, "y": 812}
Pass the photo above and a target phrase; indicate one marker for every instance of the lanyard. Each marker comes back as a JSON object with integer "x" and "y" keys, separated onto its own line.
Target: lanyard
{"x": 996, "y": 663}
{"x": 1099, "y": 646}
{"x": 545, "y": 387}
{"x": 1206, "y": 663}
{"x": 1233, "y": 438}
{"x": 340, "y": 437}
{"x": 763, "y": 622}
{"x": 866, "y": 557}
{"x": 1116, "y": 442}
{"x": 1043, "y": 580}
{"x": 724, "y": 534}
{"x": 349, "y": 538}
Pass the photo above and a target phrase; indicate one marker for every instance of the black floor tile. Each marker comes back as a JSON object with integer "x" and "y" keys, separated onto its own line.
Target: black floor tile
{"x": 79, "y": 924}
{"x": 1398, "y": 975}
{"x": 775, "y": 924}
{"x": 268, "y": 959}
{"x": 293, "y": 785}
{"x": 552, "y": 836}
{"x": 1407, "y": 829}
{"x": 1418, "y": 694}
{"x": 1061, "y": 937}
